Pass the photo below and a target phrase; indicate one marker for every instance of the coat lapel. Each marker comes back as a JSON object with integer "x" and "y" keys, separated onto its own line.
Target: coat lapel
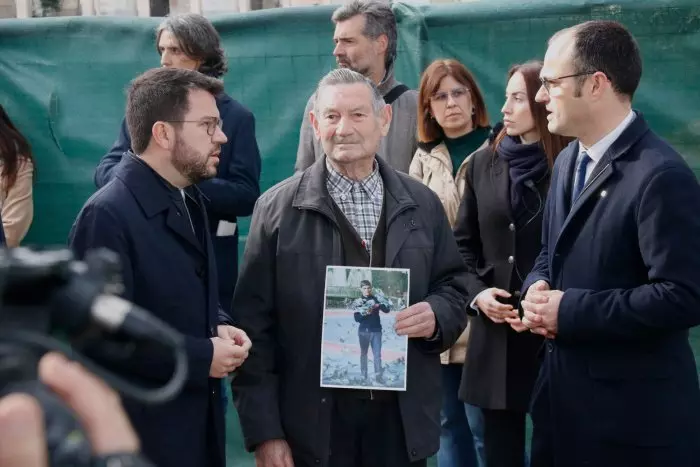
{"x": 601, "y": 175}
{"x": 154, "y": 196}
{"x": 501, "y": 185}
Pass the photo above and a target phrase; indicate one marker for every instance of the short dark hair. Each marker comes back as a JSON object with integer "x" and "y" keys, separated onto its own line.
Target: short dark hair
{"x": 365, "y": 283}
{"x": 198, "y": 39}
{"x": 379, "y": 19}
{"x": 608, "y": 47}
{"x": 162, "y": 94}
{"x": 428, "y": 128}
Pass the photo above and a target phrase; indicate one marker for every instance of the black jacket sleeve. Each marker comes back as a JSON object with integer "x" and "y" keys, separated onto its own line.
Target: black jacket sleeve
{"x": 105, "y": 169}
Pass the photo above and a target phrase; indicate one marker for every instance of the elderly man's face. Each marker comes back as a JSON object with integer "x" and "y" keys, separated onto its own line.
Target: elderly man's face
{"x": 346, "y": 123}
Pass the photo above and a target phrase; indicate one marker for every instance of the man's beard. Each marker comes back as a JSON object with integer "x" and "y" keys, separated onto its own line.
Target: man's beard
{"x": 190, "y": 163}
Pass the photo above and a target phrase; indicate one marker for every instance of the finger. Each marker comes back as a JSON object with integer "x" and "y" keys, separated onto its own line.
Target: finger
{"x": 97, "y": 406}
{"x": 411, "y": 321}
{"x": 538, "y": 297}
{"x": 539, "y": 330}
{"x": 22, "y": 437}
{"x": 516, "y": 324}
{"x": 531, "y": 307}
{"x": 532, "y": 317}
{"x": 541, "y": 285}
{"x": 502, "y": 307}
{"x": 237, "y": 352}
{"x": 419, "y": 330}
{"x": 243, "y": 340}
{"x": 504, "y": 312}
{"x": 412, "y": 311}
{"x": 501, "y": 293}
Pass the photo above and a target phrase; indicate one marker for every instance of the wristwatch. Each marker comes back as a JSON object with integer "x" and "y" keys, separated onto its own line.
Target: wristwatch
{"x": 125, "y": 459}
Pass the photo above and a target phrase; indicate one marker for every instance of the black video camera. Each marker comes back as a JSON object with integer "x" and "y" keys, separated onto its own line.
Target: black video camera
{"x": 50, "y": 302}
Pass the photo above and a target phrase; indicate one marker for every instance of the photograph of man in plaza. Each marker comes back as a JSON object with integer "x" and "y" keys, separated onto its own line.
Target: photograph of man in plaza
{"x": 359, "y": 315}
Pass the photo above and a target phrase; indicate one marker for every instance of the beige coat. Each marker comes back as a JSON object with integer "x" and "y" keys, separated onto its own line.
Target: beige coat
{"x": 433, "y": 167}
{"x": 17, "y": 204}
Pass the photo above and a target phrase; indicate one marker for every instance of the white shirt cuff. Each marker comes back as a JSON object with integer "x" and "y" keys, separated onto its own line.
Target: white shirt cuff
{"x": 472, "y": 305}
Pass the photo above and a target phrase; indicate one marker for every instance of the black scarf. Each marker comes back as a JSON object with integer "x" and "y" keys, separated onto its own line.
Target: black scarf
{"x": 525, "y": 162}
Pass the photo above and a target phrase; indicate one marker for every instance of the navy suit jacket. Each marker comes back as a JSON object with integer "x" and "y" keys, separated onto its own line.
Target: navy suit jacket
{"x": 620, "y": 371}
{"x": 231, "y": 194}
{"x": 172, "y": 274}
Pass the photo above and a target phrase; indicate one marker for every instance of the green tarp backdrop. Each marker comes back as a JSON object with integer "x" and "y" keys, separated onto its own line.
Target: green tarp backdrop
{"x": 62, "y": 80}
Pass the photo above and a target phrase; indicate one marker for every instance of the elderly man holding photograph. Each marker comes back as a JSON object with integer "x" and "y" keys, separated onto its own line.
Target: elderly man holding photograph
{"x": 348, "y": 209}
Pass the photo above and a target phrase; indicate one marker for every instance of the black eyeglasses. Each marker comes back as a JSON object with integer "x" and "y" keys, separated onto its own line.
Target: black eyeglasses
{"x": 547, "y": 82}
{"x": 211, "y": 123}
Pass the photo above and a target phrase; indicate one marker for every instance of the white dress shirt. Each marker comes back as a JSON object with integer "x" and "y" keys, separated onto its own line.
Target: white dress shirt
{"x": 597, "y": 151}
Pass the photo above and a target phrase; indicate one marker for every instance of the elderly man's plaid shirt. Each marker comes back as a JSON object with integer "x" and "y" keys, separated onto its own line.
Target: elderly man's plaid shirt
{"x": 361, "y": 202}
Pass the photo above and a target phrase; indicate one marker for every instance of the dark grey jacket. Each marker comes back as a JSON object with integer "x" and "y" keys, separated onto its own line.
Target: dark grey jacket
{"x": 279, "y": 302}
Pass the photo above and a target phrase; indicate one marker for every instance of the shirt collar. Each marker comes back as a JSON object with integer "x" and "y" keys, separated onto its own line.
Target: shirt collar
{"x": 597, "y": 151}
{"x": 341, "y": 184}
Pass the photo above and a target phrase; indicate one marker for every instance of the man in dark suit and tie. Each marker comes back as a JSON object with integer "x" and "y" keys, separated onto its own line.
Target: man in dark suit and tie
{"x": 617, "y": 283}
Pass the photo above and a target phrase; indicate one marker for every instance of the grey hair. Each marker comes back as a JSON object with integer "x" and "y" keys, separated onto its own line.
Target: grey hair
{"x": 198, "y": 39}
{"x": 341, "y": 76}
{"x": 379, "y": 19}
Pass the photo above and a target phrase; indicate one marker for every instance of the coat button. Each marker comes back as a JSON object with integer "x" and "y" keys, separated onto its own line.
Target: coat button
{"x": 511, "y": 227}
{"x": 413, "y": 452}
{"x": 317, "y": 461}
{"x": 550, "y": 347}
{"x": 511, "y": 260}
{"x": 323, "y": 400}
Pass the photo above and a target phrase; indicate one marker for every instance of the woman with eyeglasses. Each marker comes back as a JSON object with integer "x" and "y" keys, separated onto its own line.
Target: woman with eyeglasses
{"x": 498, "y": 231}
{"x": 16, "y": 183}
{"x": 452, "y": 124}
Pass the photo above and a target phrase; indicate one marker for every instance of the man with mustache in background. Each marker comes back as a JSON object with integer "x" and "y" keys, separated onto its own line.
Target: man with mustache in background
{"x": 365, "y": 41}
{"x": 152, "y": 216}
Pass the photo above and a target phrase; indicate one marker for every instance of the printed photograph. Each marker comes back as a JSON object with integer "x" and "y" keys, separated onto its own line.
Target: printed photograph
{"x": 360, "y": 348}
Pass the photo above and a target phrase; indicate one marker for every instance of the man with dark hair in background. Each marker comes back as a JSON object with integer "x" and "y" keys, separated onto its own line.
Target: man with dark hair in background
{"x": 615, "y": 288}
{"x": 189, "y": 41}
{"x": 365, "y": 41}
{"x": 151, "y": 215}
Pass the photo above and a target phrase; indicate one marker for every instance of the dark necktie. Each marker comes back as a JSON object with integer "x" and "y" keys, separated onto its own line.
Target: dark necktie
{"x": 580, "y": 176}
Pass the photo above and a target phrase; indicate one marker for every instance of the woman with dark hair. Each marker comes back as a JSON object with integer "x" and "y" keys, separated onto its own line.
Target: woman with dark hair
{"x": 16, "y": 182}
{"x": 452, "y": 124}
{"x": 498, "y": 231}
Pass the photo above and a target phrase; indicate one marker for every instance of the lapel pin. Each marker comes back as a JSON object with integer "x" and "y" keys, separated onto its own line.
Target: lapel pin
{"x": 603, "y": 193}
